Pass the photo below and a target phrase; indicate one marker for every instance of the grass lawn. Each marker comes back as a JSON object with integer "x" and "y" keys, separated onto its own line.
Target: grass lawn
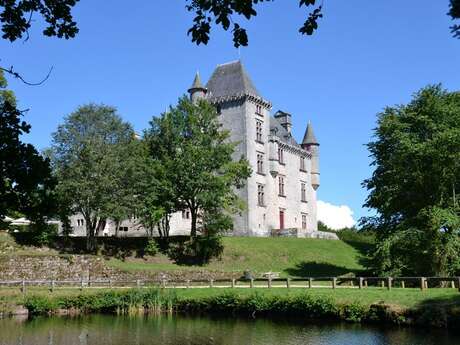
{"x": 288, "y": 256}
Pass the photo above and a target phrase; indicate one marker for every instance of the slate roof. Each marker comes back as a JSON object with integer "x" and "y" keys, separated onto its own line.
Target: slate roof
{"x": 196, "y": 82}
{"x": 230, "y": 79}
{"x": 309, "y": 137}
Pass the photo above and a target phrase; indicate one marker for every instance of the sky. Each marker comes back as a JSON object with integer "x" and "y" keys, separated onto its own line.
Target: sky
{"x": 366, "y": 55}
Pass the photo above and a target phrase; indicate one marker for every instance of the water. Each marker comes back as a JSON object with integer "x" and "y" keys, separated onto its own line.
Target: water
{"x": 174, "y": 330}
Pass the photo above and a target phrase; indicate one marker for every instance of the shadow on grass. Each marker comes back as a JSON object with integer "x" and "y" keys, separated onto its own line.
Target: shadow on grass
{"x": 320, "y": 269}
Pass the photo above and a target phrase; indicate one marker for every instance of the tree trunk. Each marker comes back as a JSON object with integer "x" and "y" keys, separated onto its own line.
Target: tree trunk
{"x": 193, "y": 214}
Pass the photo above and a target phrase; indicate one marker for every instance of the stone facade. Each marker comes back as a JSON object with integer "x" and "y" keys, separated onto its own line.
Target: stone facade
{"x": 281, "y": 192}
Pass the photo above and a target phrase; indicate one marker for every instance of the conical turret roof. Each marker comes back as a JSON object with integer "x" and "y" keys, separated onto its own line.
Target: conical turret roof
{"x": 309, "y": 137}
{"x": 197, "y": 82}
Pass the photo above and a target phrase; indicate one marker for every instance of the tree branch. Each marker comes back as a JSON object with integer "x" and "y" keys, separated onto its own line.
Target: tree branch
{"x": 18, "y": 76}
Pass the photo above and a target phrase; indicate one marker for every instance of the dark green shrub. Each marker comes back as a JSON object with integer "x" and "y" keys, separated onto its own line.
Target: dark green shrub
{"x": 39, "y": 305}
{"x": 151, "y": 248}
{"x": 354, "y": 312}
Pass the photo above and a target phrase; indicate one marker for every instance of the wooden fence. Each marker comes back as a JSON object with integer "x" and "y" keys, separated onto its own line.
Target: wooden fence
{"x": 421, "y": 283}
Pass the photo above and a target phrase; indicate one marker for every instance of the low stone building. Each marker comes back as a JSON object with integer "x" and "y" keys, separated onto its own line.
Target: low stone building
{"x": 281, "y": 193}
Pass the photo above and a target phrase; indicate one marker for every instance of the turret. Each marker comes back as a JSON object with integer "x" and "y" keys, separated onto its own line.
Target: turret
{"x": 197, "y": 91}
{"x": 310, "y": 144}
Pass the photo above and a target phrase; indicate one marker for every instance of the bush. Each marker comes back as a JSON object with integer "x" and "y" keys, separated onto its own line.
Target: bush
{"x": 198, "y": 251}
{"x": 39, "y": 305}
{"x": 151, "y": 248}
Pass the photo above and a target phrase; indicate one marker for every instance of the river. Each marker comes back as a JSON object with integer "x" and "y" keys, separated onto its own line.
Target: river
{"x": 178, "y": 330}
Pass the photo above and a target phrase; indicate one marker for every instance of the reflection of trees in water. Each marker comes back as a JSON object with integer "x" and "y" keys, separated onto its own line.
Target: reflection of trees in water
{"x": 169, "y": 330}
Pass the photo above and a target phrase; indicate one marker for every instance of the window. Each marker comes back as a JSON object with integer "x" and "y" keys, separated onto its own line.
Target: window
{"x": 123, "y": 228}
{"x": 258, "y": 131}
{"x": 281, "y": 186}
{"x": 258, "y": 109}
{"x": 302, "y": 164}
{"x": 80, "y": 222}
{"x": 260, "y": 195}
{"x": 260, "y": 163}
{"x": 185, "y": 214}
{"x": 303, "y": 191}
{"x": 280, "y": 155}
{"x": 304, "y": 221}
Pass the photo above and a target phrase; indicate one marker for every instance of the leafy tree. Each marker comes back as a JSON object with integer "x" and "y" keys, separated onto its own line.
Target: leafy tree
{"x": 195, "y": 157}
{"x": 92, "y": 154}
{"x": 414, "y": 187}
{"x": 26, "y": 184}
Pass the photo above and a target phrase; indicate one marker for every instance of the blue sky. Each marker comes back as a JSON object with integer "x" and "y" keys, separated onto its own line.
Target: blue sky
{"x": 366, "y": 55}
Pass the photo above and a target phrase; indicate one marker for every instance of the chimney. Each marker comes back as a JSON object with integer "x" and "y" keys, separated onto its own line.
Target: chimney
{"x": 284, "y": 119}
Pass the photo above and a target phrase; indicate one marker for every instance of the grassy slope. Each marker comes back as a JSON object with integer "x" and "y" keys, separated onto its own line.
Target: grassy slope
{"x": 289, "y": 256}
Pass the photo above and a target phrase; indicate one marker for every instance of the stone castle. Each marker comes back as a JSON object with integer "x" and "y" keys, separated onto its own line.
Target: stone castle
{"x": 281, "y": 193}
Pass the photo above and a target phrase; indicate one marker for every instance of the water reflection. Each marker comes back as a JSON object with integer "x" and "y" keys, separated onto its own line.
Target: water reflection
{"x": 111, "y": 330}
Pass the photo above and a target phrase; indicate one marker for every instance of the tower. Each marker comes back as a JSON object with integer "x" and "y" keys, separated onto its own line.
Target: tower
{"x": 310, "y": 144}
{"x": 197, "y": 91}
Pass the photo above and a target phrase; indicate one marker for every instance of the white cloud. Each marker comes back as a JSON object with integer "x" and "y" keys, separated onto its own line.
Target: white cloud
{"x": 335, "y": 217}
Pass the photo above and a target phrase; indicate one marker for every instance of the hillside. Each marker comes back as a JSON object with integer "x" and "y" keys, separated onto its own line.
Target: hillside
{"x": 288, "y": 256}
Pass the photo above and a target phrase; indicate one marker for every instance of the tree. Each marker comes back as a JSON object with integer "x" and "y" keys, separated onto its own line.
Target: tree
{"x": 26, "y": 184}
{"x": 91, "y": 155}
{"x": 195, "y": 157}
{"x": 416, "y": 155}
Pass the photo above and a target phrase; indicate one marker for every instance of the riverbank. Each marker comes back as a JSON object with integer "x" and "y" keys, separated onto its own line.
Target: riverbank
{"x": 435, "y": 308}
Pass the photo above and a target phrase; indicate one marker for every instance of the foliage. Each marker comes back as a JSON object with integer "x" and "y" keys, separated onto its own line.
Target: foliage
{"x": 454, "y": 12}
{"x": 223, "y": 13}
{"x": 416, "y": 156}
{"x": 16, "y": 17}
{"x": 151, "y": 248}
{"x": 26, "y": 183}
{"x": 193, "y": 160}
{"x": 94, "y": 155}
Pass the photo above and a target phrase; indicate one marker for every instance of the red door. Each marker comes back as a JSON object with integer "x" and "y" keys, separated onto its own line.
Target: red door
{"x": 281, "y": 219}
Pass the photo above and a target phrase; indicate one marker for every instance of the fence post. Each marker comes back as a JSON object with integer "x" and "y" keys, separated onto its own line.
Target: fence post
{"x": 422, "y": 283}
{"x": 23, "y": 286}
{"x": 389, "y": 280}
{"x": 163, "y": 283}
{"x": 187, "y": 283}
{"x": 211, "y": 283}
{"x": 52, "y": 285}
{"x": 334, "y": 282}
{"x": 310, "y": 283}
{"x": 288, "y": 283}
{"x": 382, "y": 283}
{"x": 138, "y": 283}
{"x": 81, "y": 284}
{"x": 251, "y": 284}
{"x": 233, "y": 283}
{"x": 365, "y": 283}
{"x": 403, "y": 284}
{"x": 110, "y": 283}
{"x": 360, "y": 282}
{"x": 269, "y": 282}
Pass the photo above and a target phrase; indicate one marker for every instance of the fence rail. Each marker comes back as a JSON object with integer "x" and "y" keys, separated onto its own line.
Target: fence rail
{"x": 421, "y": 283}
